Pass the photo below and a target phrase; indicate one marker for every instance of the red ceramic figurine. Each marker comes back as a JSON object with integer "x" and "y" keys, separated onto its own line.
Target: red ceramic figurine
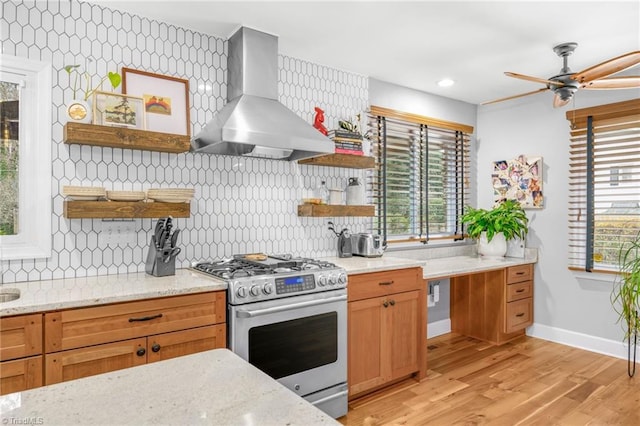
{"x": 317, "y": 122}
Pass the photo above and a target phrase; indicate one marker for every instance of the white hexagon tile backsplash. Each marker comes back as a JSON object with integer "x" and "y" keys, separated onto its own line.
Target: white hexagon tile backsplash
{"x": 241, "y": 205}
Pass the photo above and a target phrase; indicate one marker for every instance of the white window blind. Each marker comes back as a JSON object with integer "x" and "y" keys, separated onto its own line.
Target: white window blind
{"x": 604, "y": 184}
{"x": 421, "y": 181}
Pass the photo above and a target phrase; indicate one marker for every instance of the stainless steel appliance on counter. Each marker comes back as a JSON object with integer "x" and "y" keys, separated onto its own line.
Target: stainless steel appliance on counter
{"x": 367, "y": 245}
{"x": 288, "y": 317}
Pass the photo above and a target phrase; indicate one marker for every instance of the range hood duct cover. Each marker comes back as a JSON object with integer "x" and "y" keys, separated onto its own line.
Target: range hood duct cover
{"x": 253, "y": 123}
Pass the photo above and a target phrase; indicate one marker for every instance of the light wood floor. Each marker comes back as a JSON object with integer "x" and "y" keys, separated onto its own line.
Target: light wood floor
{"x": 527, "y": 382}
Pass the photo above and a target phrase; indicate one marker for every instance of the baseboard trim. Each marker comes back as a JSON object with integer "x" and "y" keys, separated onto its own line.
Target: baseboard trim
{"x": 617, "y": 349}
{"x": 438, "y": 328}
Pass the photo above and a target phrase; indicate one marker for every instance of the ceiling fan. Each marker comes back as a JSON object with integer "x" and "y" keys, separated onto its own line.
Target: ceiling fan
{"x": 566, "y": 83}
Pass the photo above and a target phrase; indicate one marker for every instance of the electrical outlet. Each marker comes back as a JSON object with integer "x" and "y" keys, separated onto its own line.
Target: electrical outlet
{"x": 117, "y": 233}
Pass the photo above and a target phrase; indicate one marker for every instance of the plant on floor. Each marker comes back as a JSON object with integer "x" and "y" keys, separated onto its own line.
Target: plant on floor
{"x": 626, "y": 297}
{"x": 508, "y": 217}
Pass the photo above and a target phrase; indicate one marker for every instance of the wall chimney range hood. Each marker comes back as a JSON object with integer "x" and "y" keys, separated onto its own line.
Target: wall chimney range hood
{"x": 253, "y": 123}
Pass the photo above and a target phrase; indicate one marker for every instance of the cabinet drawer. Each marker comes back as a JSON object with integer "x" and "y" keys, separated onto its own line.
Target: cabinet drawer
{"x": 20, "y": 336}
{"x": 519, "y": 291}
{"x": 376, "y": 284}
{"x": 20, "y": 374}
{"x": 516, "y": 274}
{"x": 519, "y": 315}
{"x": 76, "y": 328}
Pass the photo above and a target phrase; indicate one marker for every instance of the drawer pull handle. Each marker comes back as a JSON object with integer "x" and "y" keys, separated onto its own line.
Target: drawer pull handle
{"x": 386, "y": 282}
{"x": 520, "y": 273}
{"x": 155, "y": 347}
{"x": 141, "y": 352}
{"x": 521, "y": 314}
{"x": 520, "y": 290}
{"x": 385, "y": 304}
{"x": 149, "y": 318}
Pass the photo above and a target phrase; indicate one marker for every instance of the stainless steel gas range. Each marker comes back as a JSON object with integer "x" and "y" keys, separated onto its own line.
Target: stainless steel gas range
{"x": 288, "y": 317}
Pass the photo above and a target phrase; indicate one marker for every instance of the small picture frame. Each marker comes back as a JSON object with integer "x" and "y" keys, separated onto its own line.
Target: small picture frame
{"x": 166, "y": 100}
{"x": 116, "y": 110}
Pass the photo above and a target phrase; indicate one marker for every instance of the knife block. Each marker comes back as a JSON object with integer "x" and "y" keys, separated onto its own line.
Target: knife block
{"x": 155, "y": 265}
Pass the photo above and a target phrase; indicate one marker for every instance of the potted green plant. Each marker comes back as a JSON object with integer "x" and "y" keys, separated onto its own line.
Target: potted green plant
{"x": 493, "y": 228}
{"x": 78, "y": 109}
{"x": 626, "y": 297}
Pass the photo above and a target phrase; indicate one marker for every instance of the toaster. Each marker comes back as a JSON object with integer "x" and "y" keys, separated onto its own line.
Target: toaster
{"x": 367, "y": 245}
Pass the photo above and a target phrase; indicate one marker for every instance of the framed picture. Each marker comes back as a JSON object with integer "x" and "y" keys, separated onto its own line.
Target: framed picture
{"x": 114, "y": 109}
{"x": 166, "y": 100}
{"x": 519, "y": 179}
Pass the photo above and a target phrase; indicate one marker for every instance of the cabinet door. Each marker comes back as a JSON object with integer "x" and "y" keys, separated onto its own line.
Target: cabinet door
{"x": 83, "y": 362}
{"x": 403, "y": 333}
{"x": 20, "y": 336}
{"x": 179, "y": 343}
{"x": 365, "y": 355}
{"x": 20, "y": 374}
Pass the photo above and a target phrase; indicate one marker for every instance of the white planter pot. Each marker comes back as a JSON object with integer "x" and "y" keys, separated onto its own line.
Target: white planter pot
{"x": 495, "y": 249}
{"x": 78, "y": 111}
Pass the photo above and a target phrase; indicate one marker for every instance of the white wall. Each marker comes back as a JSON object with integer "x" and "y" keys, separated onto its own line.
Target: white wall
{"x": 532, "y": 126}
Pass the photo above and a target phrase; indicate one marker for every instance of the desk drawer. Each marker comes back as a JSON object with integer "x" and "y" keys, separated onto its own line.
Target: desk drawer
{"x": 376, "y": 284}
{"x": 516, "y": 274}
{"x": 519, "y": 291}
{"x": 519, "y": 315}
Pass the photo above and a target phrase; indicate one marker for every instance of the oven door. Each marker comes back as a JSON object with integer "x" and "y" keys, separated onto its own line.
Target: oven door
{"x": 301, "y": 341}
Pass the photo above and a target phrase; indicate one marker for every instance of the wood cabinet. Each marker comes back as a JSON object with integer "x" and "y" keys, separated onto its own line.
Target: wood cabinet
{"x": 86, "y": 341}
{"x": 20, "y": 353}
{"x": 494, "y": 306}
{"x": 386, "y": 328}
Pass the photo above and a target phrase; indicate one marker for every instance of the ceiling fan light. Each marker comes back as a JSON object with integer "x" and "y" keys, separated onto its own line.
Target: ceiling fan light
{"x": 446, "y": 82}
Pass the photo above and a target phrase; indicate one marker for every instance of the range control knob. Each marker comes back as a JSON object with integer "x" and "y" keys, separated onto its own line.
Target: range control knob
{"x": 342, "y": 278}
{"x": 268, "y": 288}
{"x": 333, "y": 280}
{"x": 255, "y": 290}
{"x": 241, "y": 292}
{"x": 322, "y": 280}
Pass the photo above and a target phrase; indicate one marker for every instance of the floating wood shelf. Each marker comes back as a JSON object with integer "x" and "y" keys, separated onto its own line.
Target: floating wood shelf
{"x": 123, "y": 209}
{"x": 330, "y": 210}
{"x": 341, "y": 160}
{"x": 120, "y": 137}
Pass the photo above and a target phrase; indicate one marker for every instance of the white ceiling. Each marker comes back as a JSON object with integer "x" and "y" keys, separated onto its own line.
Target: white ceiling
{"x": 417, "y": 43}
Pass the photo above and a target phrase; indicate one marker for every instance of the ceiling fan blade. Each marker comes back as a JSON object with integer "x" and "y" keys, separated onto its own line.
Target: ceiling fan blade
{"x": 626, "y": 82}
{"x": 544, "y": 89}
{"x": 609, "y": 67}
{"x": 558, "y": 102}
{"x": 534, "y": 79}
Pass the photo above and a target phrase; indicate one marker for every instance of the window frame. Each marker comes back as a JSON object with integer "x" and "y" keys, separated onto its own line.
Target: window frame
{"x": 33, "y": 240}
{"x": 595, "y": 132}
{"x": 419, "y": 154}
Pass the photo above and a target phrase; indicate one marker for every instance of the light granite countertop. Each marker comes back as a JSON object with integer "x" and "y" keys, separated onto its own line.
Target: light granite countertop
{"x": 48, "y": 295}
{"x": 431, "y": 268}
{"x": 208, "y": 388}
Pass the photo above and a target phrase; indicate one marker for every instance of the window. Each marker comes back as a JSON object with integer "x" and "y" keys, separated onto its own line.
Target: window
{"x": 25, "y": 158}
{"x": 421, "y": 182}
{"x": 604, "y": 184}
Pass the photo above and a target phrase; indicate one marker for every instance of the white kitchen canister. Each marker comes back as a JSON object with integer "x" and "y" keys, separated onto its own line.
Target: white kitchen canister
{"x": 355, "y": 192}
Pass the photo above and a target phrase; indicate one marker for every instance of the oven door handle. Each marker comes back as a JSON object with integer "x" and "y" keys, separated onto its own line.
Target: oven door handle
{"x": 258, "y": 312}
{"x": 330, "y": 398}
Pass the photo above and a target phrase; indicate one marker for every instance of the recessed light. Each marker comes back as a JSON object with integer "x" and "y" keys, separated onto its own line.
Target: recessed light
{"x": 446, "y": 82}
